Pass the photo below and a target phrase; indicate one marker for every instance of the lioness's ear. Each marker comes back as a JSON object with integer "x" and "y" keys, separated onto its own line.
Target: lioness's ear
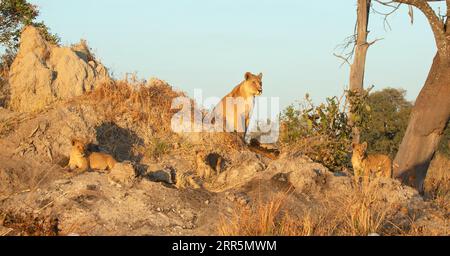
{"x": 248, "y": 75}
{"x": 260, "y": 76}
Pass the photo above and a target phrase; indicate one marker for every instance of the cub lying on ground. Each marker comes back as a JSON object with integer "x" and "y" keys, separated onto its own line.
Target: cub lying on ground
{"x": 367, "y": 166}
{"x": 94, "y": 161}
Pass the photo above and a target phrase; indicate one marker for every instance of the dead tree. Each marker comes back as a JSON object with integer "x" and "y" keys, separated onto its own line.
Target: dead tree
{"x": 357, "y": 69}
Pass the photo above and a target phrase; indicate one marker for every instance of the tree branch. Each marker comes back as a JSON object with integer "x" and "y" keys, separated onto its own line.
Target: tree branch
{"x": 438, "y": 27}
{"x": 433, "y": 19}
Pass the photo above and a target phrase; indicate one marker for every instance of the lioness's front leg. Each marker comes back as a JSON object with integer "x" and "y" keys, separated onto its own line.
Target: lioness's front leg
{"x": 247, "y": 123}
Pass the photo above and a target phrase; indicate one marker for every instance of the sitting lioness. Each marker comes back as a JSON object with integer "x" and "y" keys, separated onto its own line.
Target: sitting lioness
{"x": 94, "y": 161}
{"x": 367, "y": 166}
{"x": 235, "y": 108}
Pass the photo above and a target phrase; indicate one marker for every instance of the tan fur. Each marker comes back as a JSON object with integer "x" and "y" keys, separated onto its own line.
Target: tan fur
{"x": 247, "y": 91}
{"x": 367, "y": 166}
{"x": 94, "y": 161}
{"x": 101, "y": 161}
{"x": 77, "y": 156}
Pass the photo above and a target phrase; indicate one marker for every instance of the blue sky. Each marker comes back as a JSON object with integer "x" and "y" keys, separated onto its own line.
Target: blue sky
{"x": 210, "y": 44}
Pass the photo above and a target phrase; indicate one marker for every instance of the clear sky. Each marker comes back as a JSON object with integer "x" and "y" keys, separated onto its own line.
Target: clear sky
{"x": 210, "y": 44}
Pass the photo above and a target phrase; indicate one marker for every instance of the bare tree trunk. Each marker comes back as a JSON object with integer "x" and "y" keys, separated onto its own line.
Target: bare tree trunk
{"x": 357, "y": 69}
{"x": 429, "y": 118}
{"x": 431, "y": 112}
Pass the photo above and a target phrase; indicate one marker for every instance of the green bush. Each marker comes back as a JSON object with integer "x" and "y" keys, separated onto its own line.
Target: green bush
{"x": 389, "y": 118}
{"x": 14, "y": 16}
{"x": 360, "y": 109}
{"x": 320, "y": 132}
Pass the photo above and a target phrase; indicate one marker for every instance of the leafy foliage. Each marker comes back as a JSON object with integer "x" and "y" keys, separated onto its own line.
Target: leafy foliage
{"x": 320, "y": 132}
{"x": 389, "y": 118}
{"x": 14, "y": 15}
{"x": 360, "y": 109}
{"x": 323, "y": 132}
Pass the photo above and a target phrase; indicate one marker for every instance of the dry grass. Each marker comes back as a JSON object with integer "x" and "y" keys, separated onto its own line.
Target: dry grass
{"x": 437, "y": 183}
{"x": 147, "y": 111}
{"x": 363, "y": 212}
{"x": 28, "y": 224}
{"x": 136, "y": 102}
{"x": 261, "y": 220}
{"x": 359, "y": 214}
{"x": 158, "y": 147}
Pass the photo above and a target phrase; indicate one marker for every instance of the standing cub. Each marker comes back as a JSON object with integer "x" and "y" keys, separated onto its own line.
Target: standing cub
{"x": 370, "y": 165}
{"x": 94, "y": 161}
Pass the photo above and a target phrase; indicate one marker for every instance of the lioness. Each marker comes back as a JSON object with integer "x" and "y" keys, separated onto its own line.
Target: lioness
{"x": 94, "y": 161}
{"x": 235, "y": 108}
{"x": 366, "y": 166}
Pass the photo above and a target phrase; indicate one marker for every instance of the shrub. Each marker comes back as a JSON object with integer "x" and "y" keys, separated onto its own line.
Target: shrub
{"x": 360, "y": 109}
{"x": 388, "y": 120}
{"x": 320, "y": 132}
{"x": 15, "y": 14}
{"x": 158, "y": 147}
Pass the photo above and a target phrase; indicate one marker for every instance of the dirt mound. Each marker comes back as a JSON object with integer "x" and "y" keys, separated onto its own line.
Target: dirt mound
{"x": 43, "y": 73}
{"x": 131, "y": 122}
{"x": 141, "y": 195}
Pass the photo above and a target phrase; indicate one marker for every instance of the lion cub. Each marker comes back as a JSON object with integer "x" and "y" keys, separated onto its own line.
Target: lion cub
{"x": 367, "y": 166}
{"x": 94, "y": 161}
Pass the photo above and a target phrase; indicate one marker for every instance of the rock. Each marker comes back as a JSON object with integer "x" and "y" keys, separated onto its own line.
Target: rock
{"x": 240, "y": 173}
{"x": 186, "y": 180}
{"x": 122, "y": 173}
{"x": 306, "y": 179}
{"x": 300, "y": 172}
{"x": 43, "y": 73}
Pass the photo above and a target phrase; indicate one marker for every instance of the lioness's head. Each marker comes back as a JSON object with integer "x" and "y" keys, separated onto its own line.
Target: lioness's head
{"x": 79, "y": 146}
{"x": 359, "y": 149}
{"x": 253, "y": 84}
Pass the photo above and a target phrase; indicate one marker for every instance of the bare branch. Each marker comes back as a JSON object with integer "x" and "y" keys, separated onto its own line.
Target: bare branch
{"x": 374, "y": 41}
{"x": 438, "y": 25}
{"x": 345, "y": 60}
